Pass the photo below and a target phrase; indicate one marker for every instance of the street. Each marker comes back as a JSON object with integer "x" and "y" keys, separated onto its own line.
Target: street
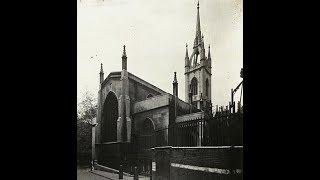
{"x": 86, "y": 174}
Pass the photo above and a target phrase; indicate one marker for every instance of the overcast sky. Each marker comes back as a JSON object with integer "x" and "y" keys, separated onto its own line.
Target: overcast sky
{"x": 155, "y": 33}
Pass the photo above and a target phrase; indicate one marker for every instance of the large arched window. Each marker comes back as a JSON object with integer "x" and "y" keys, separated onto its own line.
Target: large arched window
{"x": 194, "y": 86}
{"x": 109, "y": 118}
{"x": 148, "y": 133}
{"x": 207, "y": 87}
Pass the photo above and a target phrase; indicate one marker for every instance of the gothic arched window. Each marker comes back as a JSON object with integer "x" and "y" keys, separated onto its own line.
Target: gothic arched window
{"x": 194, "y": 86}
{"x": 109, "y": 118}
{"x": 148, "y": 131}
{"x": 207, "y": 87}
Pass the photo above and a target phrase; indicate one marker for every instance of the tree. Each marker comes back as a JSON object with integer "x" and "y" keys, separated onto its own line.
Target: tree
{"x": 86, "y": 111}
{"x": 87, "y": 108}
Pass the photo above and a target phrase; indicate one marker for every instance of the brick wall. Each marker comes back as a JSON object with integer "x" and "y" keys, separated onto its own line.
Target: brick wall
{"x": 221, "y": 162}
{"x": 159, "y": 116}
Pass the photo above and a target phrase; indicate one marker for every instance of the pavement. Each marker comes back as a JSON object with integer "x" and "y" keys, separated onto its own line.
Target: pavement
{"x": 87, "y": 174}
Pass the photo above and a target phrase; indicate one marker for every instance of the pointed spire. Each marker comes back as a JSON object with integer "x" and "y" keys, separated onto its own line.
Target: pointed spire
{"x": 124, "y": 58}
{"x": 198, "y": 47}
{"x": 198, "y": 29}
{"x": 175, "y": 85}
{"x": 124, "y": 51}
{"x": 101, "y": 73}
{"x": 187, "y": 63}
{"x": 187, "y": 55}
{"x": 101, "y": 68}
{"x": 175, "y": 77}
{"x": 209, "y": 55}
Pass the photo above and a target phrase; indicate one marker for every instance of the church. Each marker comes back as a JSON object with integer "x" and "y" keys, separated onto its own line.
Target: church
{"x": 134, "y": 115}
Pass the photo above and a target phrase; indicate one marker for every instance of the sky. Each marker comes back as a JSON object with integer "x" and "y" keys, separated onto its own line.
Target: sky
{"x": 155, "y": 33}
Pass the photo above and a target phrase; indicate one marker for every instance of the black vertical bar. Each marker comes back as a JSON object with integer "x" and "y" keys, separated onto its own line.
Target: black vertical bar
{"x": 150, "y": 169}
{"x": 120, "y": 172}
{"x": 201, "y": 131}
{"x": 136, "y": 176}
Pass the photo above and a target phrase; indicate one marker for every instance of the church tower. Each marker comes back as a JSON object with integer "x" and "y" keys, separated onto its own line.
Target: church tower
{"x": 198, "y": 71}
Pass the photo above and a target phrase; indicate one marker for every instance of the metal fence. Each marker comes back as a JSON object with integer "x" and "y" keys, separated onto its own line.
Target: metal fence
{"x": 220, "y": 130}
{"x": 224, "y": 129}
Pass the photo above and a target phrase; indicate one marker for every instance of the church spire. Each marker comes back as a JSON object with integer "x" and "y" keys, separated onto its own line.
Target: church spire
{"x": 124, "y": 52}
{"x": 175, "y": 85}
{"x": 209, "y": 55}
{"x": 187, "y": 55}
{"x": 198, "y": 46}
{"x": 101, "y": 73}
{"x": 101, "y": 68}
{"x": 175, "y": 78}
{"x": 198, "y": 38}
{"x": 187, "y": 63}
{"x": 124, "y": 58}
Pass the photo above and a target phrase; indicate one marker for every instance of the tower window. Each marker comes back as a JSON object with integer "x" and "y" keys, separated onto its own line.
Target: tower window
{"x": 194, "y": 86}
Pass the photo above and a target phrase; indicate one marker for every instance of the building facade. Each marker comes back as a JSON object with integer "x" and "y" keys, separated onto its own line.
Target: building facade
{"x": 134, "y": 116}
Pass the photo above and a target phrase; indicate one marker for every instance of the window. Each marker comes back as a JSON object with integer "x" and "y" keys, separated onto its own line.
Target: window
{"x": 194, "y": 86}
{"x": 109, "y": 118}
{"x": 148, "y": 133}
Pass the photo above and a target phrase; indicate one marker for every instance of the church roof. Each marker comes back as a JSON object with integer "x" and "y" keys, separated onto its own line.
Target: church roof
{"x": 117, "y": 74}
{"x": 145, "y": 83}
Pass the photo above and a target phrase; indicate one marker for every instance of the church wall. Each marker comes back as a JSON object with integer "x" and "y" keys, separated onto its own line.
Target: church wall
{"x": 206, "y": 76}
{"x": 138, "y": 92}
{"x": 113, "y": 85}
{"x": 160, "y": 118}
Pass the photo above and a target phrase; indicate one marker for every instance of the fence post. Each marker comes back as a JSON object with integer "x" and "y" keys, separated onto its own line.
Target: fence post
{"x": 150, "y": 169}
{"x": 136, "y": 176}
{"x": 120, "y": 172}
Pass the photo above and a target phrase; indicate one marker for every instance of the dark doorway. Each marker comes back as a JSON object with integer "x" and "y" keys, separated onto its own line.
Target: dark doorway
{"x": 109, "y": 118}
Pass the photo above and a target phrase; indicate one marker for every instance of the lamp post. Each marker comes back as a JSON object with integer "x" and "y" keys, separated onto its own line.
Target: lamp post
{"x": 93, "y": 154}
{"x": 233, "y": 91}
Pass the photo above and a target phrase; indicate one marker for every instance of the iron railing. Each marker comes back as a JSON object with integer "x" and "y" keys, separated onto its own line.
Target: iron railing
{"x": 220, "y": 130}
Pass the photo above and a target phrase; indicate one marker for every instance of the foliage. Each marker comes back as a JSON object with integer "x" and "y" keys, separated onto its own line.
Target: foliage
{"x": 87, "y": 110}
